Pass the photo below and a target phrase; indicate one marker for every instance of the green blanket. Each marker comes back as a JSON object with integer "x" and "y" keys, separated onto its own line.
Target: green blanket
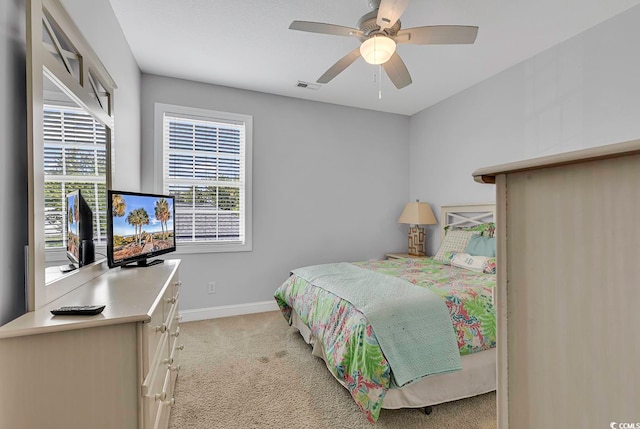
{"x": 412, "y": 324}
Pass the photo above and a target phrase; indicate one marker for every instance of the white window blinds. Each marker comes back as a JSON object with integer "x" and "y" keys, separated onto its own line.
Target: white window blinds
{"x": 204, "y": 168}
{"x": 74, "y": 158}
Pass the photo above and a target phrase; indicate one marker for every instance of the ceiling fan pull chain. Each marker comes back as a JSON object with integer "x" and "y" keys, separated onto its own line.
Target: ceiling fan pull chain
{"x": 380, "y": 82}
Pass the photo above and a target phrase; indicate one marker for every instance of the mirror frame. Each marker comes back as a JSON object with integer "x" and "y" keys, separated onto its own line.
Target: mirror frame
{"x": 42, "y": 64}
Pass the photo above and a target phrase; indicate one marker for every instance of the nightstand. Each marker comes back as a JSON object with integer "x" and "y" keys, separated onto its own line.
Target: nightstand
{"x": 403, "y": 256}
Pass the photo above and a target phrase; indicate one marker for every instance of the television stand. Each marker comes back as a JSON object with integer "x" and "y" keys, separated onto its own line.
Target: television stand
{"x": 143, "y": 263}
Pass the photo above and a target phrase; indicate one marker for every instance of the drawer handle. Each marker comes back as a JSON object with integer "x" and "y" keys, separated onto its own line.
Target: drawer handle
{"x": 179, "y": 318}
{"x": 178, "y": 283}
{"x": 162, "y": 328}
{"x": 171, "y": 402}
{"x": 168, "y": 361}
{"x": 171, "y": 300}
{"x": 180, "y": 347}
{"x": 175, "y": 368}
{"x": 161, "y": 396}
{"x": 177, "y": 333}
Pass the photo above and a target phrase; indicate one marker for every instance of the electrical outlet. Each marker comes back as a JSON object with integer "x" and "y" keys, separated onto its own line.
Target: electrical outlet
{"x": 212, "y": 287}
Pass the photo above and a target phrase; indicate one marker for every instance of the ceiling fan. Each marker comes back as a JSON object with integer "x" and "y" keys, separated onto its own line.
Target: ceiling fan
{"x": 380, "y": 31}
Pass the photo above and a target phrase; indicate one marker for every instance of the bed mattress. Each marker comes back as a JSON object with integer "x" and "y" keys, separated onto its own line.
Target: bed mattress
{"x": 478, "y": 376}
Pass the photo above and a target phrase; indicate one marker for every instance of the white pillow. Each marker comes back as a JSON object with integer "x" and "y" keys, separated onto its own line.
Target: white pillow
{"x": 454, "y": 241}
{"x": 472, "y": 263}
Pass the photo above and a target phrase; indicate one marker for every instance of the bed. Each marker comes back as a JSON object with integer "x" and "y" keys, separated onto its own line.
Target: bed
{"x": 383, "y": 327}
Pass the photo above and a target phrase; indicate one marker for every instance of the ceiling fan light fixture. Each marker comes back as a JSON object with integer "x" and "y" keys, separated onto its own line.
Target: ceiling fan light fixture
{"x": 377, "y": 49}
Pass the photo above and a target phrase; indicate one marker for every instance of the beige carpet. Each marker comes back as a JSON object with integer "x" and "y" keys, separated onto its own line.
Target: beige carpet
{"x": 255, "y": 371}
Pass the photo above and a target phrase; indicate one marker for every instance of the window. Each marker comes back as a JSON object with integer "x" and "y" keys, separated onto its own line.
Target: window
{"x": 205, "y": 164}
{"x": 75, "y": 157}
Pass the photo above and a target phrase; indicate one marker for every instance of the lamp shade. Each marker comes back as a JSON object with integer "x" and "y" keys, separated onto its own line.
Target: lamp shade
{"x": 377, "y": 49}
{"x": 417, "y": 213}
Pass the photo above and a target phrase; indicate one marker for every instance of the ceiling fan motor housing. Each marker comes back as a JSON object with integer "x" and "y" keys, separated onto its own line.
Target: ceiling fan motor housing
{"x": 367, "y": 24}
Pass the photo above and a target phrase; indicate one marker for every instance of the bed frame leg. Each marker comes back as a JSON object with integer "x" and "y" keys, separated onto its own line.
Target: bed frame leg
{"x": 428, "y": 409}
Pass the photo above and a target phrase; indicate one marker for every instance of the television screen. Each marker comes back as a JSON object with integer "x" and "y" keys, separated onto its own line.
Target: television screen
{"x": 80, "y": 250}
{"x": 139, "y": 227}
{"x": 73, "y": 235}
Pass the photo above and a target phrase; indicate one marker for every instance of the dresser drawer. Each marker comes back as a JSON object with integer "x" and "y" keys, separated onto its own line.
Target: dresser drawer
{"x": 153, "y": 387}
{"x": 160, "y": 323}
{"x": 164, "y": 407}
{"x": 159, "y": 404}
{"x": 176, "y": 284}
{"x": 162, "y": 418}
{"x": 171, "y": 317}
{"x": 152, "y": 383}
{"x": 153, "y": 332}
{"x": 174, "y": 357}
{"x": 169, "y": 303}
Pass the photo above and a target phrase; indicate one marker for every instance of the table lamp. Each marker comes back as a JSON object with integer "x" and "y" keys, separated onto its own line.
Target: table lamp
{"x": 417, "y": 214}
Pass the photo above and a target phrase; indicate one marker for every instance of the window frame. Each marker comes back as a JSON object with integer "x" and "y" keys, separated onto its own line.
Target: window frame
{"x": 58, "y": 253}
{"x": 160, "y": 109}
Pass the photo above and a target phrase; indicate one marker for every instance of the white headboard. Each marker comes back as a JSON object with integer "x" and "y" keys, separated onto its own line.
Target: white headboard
{"x": 466, "y": 215}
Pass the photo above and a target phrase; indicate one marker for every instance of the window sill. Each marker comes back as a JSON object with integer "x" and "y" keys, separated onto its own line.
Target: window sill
{"x": 54, "y": 256}
{"x": 58, "y": 256}
{"x": 187, "y": 249}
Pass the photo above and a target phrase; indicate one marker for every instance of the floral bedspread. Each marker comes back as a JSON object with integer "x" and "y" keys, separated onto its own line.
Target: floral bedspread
{"x": 350, "y": 345}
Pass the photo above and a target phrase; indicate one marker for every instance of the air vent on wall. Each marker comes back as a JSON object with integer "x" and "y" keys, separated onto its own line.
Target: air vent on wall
{"x": 307, "y": 85}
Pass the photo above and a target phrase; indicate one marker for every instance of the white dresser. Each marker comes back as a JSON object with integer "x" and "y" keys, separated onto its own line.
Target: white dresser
{"x": 114, "y": 370}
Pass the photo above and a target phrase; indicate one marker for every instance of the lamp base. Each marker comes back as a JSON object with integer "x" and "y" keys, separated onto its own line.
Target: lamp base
{"x": 416, "y": 241}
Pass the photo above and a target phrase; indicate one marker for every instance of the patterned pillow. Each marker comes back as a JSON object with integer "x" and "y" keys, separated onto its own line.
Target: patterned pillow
{"x": 485, "y": 229}
{"x": 454, "y": 241}
{"x": 453, "y": 258}
{"x": 481, "y": 246}
{"x": 469, "y": 262}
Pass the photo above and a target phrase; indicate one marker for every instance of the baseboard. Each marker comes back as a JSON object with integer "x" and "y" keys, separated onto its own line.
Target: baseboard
{"x": 227, "y": 310}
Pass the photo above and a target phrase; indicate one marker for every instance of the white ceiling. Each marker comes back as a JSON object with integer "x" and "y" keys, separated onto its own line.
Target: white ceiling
{"x": 247, "y": 44}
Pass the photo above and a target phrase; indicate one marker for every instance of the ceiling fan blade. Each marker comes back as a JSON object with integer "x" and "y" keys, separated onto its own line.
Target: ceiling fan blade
{"x": 397, "y": 71}
{"x": 322, "y": 28}
{"x": 389, "y": 12}
{"x": 339, "y": 67}
{"x": 438, "y": 35}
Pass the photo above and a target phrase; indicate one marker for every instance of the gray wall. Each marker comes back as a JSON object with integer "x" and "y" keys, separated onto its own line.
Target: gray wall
{"x": 98, "y": 24}
{"x": 13, "y": 158}
{"x": 329, "y": 183}
{"x": 581, "y": 93}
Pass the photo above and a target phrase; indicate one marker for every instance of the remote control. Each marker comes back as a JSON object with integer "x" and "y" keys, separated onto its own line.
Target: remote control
{"x": 78, "y": 310}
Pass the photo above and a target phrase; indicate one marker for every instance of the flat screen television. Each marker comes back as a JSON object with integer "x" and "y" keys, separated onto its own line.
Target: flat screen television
{"x": 139, "y": 227}
{"x": 80, "y": 248}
